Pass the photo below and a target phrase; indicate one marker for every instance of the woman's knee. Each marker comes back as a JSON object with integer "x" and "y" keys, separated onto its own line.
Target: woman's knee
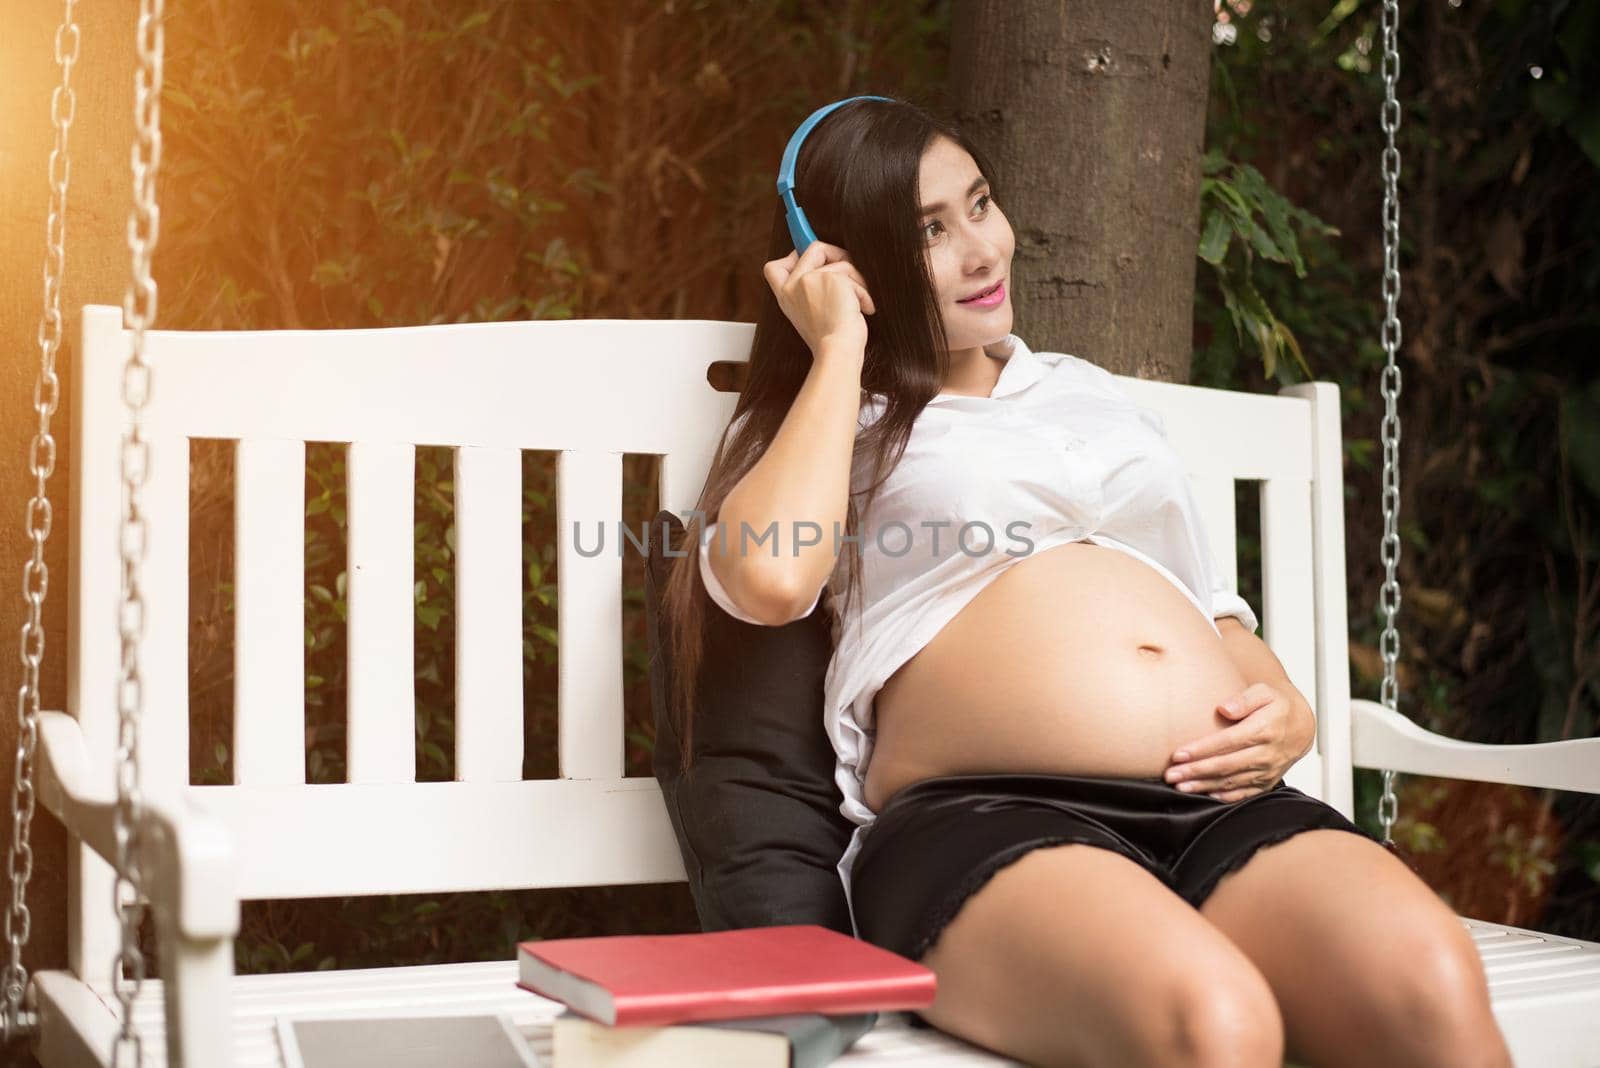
{"x": 1218, "y": 1012}
{"x": 1436, "y": 994}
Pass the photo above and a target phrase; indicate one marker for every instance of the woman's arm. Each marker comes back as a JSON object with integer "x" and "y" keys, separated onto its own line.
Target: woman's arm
{"x": 802, "y": 478}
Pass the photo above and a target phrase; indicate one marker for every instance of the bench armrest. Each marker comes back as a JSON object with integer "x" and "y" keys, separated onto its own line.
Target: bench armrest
{"x": 196, "y": 867}
{"x": 1384, "y": 739}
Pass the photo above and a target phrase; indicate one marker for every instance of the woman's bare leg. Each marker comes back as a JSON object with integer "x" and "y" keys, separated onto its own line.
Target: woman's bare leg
{"x": 1368, "y": 964}
{"x": 1075, "y": 955}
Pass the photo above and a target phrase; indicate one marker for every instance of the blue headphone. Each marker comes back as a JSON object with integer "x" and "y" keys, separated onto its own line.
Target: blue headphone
{"x": 799, "y": 225}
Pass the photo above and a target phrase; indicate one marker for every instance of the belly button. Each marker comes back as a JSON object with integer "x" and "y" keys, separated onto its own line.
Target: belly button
{"x": 1151, "y": 650}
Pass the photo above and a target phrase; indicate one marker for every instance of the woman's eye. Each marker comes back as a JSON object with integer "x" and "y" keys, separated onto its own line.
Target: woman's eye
{"x": 985, "y": 200}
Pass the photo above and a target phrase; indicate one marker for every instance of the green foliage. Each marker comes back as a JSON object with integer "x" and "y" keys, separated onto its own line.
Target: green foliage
{"x": 1232, "y": 195}
{"x": 361, "y": 164}
{"x": 1500, "y": 264}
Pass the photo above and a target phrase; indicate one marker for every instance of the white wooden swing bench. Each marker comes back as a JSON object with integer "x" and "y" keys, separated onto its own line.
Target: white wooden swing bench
{"x": 591, "y": 390}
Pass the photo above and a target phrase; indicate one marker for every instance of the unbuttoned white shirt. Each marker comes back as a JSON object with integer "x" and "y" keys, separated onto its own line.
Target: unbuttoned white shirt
{"x": 1058, "y": 452}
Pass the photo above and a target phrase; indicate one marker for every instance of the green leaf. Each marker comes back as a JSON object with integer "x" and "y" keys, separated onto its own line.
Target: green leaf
{"x": 1252, "y": 317}
{"x": 1228, "y": 195}
{"x": 1230, "y": 300}
{"x": 1276, "y": 209}
{"x": 1215, "y": 238}
{"x": 1287, "y": 341}
{"x": 1264, "y": 244}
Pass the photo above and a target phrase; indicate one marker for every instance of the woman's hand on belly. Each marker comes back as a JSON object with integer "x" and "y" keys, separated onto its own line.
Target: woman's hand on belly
{"x": 1250, "y": 755}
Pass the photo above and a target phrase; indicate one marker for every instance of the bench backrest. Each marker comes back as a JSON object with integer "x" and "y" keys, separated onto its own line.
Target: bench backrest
{"x": 590, "y": 390}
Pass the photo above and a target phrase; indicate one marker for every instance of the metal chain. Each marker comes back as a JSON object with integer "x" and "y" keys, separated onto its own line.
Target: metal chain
{"x": 139, "y": 313}
{"x": 1388, "y": 805}
{"x": 14, "y": 1021}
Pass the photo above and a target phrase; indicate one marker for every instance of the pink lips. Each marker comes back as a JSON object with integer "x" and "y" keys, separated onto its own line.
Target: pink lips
{"x": 989, "y": 301}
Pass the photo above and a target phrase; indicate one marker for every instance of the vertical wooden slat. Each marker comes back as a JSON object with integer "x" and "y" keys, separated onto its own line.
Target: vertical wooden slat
{"x": 488, "y": 520}
{"x": 589, "y": 507}
{"x": 1288, "y": 590}
{"x": 1331, "y": 698}
{"x": 269, "y": 706}
{"x": 164, "y": 593}
{"x": 381, "y": 688}
{"x": 676, "y": 472}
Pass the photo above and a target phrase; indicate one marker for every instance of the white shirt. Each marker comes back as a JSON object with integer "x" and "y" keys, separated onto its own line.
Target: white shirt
{"x": 1057, "y": 453}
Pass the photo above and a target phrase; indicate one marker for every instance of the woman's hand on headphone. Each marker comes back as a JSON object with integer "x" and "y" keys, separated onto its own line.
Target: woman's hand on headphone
{"x": 822, "y": 293}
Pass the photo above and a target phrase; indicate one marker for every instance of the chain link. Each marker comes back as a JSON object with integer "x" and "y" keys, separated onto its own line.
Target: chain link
{"x": 139, "y": 313}
{"x": 1388, "y": 804}
{"x": 14, "y": 1020}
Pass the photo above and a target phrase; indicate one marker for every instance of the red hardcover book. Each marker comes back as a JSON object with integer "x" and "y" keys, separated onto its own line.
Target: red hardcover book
{"x": 626, "y": 980}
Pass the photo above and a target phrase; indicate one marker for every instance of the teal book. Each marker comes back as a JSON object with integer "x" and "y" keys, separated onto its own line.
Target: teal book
{"x": 796, "y": 1040}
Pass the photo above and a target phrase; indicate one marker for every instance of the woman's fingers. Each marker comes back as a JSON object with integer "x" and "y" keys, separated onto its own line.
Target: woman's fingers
{"x": 849, "y": 269}
{"x": 780, "y": 270}
{"x": 777, "y": 271}
{"x": 1229, "y": 771}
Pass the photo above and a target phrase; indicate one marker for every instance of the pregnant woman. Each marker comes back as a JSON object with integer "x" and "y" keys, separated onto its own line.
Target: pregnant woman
{"x": 1057, "y": 732}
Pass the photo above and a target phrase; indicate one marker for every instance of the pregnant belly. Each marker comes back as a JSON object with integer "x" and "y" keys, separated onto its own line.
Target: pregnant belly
{"x": 1078, "y": 660}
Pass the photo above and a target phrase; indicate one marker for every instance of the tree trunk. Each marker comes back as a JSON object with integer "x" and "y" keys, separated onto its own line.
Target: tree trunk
{"x": 1093, "y": 114}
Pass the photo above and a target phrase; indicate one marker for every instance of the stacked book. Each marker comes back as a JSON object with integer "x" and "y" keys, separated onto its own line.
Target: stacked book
{"x": 793, "y": 996}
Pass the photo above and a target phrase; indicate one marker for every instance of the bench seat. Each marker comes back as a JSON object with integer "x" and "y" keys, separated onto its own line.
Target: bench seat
{"x": 1537, "y": 982}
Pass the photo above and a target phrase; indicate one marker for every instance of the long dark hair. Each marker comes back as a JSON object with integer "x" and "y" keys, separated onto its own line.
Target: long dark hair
{"x": 857, "y": 179}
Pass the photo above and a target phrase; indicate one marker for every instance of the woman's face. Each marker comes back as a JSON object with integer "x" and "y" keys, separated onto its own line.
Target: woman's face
{"x": 968, "y": 243}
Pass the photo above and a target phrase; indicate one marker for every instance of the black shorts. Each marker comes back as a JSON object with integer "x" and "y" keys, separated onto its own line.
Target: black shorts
{"x": 939, "y": 840}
